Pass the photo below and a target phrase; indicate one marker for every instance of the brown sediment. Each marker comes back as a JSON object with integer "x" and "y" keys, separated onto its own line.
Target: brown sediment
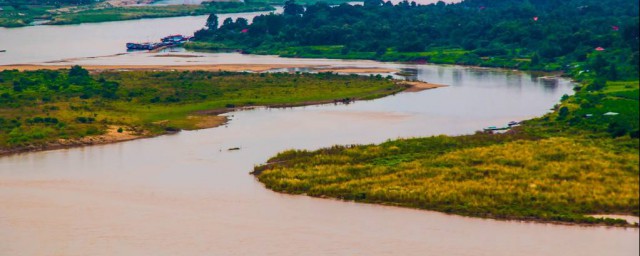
{"x": 202, "y": 119}
{"x": 178, "y": 55}
{"x": 416, "y": 86}
{"x": 215, "y": 67}
{"x": 628, "y": 218}
{"x": 118, "y": 3}
{"x": 207, "y": 121}
{"x": 358, "y": 70}
{"x": 110, "y": 136}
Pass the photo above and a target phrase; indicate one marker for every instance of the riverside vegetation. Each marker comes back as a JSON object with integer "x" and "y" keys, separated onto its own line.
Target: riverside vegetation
{"x": 16, "y": 13}
{"x": 563, "y": 166}
{"x": 581, "y": 159}
{"x": 551, "y": 35}
{"x": 40, "y": 108}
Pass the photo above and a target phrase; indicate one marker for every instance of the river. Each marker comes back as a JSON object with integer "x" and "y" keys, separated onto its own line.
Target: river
{"x": 186, "y": 194}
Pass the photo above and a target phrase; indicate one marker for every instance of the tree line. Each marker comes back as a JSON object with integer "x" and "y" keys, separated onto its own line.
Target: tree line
{"x": 541, "y": 31}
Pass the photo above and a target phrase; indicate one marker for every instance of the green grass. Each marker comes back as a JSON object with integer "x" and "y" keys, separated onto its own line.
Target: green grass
{"x": 557, "y": 179}
{"x": 41, "y": 107}
{"x": 103, "y": 13}
{"x": 12, "y": 17}
{"x": 140, "y": 12}
{"x": 559, "y": 167}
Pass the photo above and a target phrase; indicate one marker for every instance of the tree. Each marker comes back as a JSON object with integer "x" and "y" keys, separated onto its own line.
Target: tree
{"x": 292, "y": 9}
{"x": 373, "y": 3}
{"x": 78, "y": 71}
{"x": 79, "y": 76}
{"x": 599, "y": 64}
{"x": 212, "y": 22}
{"x": 535, "y": 59}
{"x": 612, "y": 74}
{"x": 563, "y": 113}
{"x": 17, "y": 86}
{"x": 597, "y": 85}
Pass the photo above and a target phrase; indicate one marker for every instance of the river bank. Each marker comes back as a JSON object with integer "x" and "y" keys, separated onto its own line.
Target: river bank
{"x": 131, "y": 197}
{"x": 203, "y": 67}
{"x": 114, "y": 126}
{"x": 117, "y": 10}
{"x": 491, "y": 176}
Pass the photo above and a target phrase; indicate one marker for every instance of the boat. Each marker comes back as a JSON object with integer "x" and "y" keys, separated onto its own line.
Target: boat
{"x": 175, "y": 39}
{"x": 141, "y": 46}
{"x": 494, "y": 128}
{"x": 167, "y": 41}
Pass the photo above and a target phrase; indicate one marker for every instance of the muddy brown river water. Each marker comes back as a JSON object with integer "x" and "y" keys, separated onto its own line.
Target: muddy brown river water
{"x": 186, "y": 194}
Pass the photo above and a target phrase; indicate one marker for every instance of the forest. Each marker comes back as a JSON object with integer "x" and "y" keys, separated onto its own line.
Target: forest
{"x": 524, "y": 34}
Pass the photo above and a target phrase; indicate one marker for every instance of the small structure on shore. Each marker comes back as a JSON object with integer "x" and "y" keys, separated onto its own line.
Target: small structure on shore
{"x": 168, "y": 41}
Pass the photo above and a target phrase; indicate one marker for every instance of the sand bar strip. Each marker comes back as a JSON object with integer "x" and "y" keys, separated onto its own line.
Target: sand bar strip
{"x": 416, "y": 86}
{"x": 216, "y": 67}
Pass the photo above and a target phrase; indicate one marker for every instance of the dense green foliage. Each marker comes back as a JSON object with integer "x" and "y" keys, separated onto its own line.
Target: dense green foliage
{"x": 15, "y": 13}
{"x": 579, "y": 160}
{"x": 43, "y": 106}
{"x": 524, "y": 34}
{"x": 585, "y": 113}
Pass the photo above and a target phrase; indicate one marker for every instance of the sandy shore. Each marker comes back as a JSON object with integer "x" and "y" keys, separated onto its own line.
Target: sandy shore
{"x": 119, "y": 3}
{"x": 358, "y": 70}
{"x": 110, "y": 136}
{"x": 204, "y": 119}
{"x": 416, "y": 86}
{"x": 215, "y": 67}
{"x": 113, "y": 136}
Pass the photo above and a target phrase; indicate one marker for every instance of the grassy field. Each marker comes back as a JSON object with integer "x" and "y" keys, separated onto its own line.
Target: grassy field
{"x": 40, "y": 107}
{"x": 100, "y": 12}
{"x": 140, "y": 12}
{"x": 561, "y": 167}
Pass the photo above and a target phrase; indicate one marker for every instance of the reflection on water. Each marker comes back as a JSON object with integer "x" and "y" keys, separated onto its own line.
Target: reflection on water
{"x": 185, "y": 194}
{"x": 408, "y": 73}
{"x": 28, "y": 44}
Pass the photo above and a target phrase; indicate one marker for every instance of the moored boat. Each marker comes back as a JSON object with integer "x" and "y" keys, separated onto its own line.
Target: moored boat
{"x": 168, "y": 41}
